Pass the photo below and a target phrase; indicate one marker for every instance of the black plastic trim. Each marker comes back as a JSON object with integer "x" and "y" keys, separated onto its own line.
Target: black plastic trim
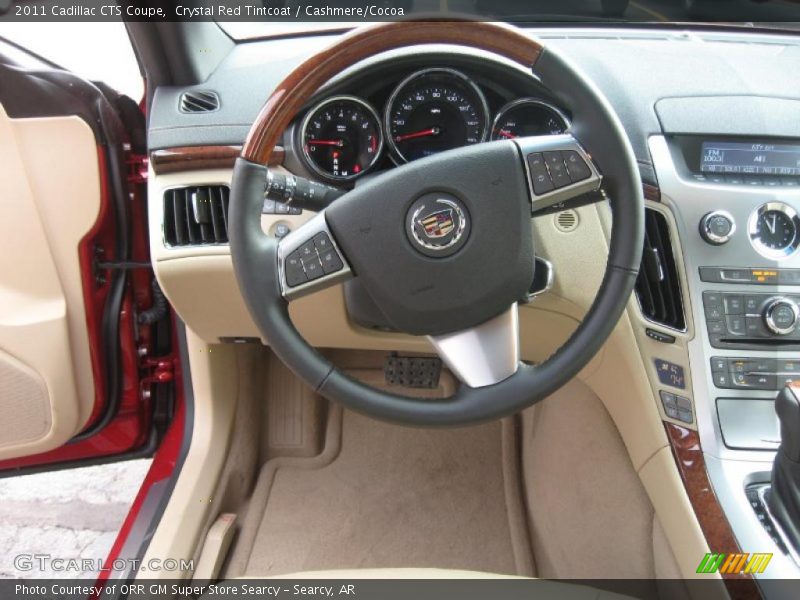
{"x": 111, "y": 311}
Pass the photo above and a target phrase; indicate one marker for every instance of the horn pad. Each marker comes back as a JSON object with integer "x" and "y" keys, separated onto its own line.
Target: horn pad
{"x": 443, "y": 243}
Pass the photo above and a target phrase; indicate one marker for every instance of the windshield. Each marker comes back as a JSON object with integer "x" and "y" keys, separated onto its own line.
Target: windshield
{"x": 296, "y": 17}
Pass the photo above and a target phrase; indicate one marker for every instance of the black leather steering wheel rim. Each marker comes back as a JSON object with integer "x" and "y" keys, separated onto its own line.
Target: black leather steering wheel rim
{"x": 597, "y": 127}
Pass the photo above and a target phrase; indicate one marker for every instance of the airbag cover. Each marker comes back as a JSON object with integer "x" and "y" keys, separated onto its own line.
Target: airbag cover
{"x": 397, "y": 232}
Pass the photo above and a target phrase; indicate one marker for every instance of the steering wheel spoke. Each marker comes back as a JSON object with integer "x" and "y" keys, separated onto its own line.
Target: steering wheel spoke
{"x": 309, "y": 260}
{"x": 558, "y": 169}
{"x": 485, "y": 354}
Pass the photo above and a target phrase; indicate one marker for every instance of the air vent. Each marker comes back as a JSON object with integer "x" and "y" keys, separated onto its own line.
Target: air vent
{"x": 195, "y": 216}
{"x": 658, "y": 286}
{"x": 199, "y": 101}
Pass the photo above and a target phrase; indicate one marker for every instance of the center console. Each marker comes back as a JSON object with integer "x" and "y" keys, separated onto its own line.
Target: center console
{"x": 735, "y": 203}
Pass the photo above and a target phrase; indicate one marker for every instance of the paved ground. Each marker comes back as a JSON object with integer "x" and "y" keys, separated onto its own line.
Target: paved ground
{"x": 66, "y": 514}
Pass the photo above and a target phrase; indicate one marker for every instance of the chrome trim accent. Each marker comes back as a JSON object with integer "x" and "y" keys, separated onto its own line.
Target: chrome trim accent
{"x": 297, "y": 238}
{"x": 760, "y": 247}
{"x": 552, "y": 143}
{"x": 770, "y": 321}
{"x": 522, "y": 102}
{"x": 649, "y": 205}
{"x": 485, "y": 354}
{"x": 710, "y": 236}
{"x": 460, "y": 227}
{"x": 302, "y": 134}
{"x": 546, "y": 264}
{"x": 734, "y": 279}
{"x": 394, "y": 152}
{"x": 659, "y": 323}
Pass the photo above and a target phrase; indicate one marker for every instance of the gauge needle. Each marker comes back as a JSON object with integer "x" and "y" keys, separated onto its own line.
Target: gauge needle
{"x": 506, "y": 134}
{"x": 771, "y": 227}
{"x": 339, "y": 143}
{"x": 418, "y": 134}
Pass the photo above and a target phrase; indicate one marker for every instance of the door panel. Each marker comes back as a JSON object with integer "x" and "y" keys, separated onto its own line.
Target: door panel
{"x": 87, "y": 343}
{"x": 49, "y": 200}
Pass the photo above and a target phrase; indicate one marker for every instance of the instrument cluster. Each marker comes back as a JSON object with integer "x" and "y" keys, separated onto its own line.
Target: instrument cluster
{"x": 432, "y": 110}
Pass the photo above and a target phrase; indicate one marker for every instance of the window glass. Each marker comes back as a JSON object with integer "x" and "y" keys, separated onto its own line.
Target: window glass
{"x": 94, "y": 51}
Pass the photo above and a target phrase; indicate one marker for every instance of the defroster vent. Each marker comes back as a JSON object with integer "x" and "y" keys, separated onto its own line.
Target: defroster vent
{"x": 199, "y": 101}
{"x": 195, "y": 216}
{"x": 658, "y": 285}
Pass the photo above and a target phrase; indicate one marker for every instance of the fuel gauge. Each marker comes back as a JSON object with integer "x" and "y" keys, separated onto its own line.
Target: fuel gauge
{"x": 528, "y": 117}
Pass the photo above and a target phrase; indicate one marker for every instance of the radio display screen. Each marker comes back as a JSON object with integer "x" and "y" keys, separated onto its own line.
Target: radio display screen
{"x": 750, "y": 158}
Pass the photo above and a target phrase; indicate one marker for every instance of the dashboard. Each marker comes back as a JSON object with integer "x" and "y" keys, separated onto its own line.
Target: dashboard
{"x": 368, "y": 126}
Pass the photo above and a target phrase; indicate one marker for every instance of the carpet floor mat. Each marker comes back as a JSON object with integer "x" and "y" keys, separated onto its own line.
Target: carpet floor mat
{"x": 382, "y": 495}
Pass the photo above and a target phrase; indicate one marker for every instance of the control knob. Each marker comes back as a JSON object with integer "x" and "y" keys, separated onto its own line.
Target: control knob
{"x": 781, "y": 315}
{"x": 717, "y": 227}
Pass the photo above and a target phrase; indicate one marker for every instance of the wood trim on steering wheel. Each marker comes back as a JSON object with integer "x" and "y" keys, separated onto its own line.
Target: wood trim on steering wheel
{"x": 282, "y": 106}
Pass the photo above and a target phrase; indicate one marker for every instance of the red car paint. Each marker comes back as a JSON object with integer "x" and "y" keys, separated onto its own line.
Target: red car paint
{"x": 164, "y": 463}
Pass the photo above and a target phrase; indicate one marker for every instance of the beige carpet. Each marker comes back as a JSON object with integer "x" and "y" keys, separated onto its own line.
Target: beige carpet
{"x": 387, "y": 496}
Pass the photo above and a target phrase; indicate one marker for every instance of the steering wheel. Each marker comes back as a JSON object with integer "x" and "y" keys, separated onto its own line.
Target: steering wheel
{"x": 443, "y": 245}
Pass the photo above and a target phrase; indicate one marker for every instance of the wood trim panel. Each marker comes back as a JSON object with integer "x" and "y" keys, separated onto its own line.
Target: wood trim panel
{"x": 195, "y": 158}
{"x": 651, "y": 192}
{"x": 716, "y": 529}
{"x": 691, "y": 464}
{"x": 298, "y": 87}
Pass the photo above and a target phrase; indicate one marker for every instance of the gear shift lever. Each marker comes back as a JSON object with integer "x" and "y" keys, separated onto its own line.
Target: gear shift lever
{"x": 784, "y": 496}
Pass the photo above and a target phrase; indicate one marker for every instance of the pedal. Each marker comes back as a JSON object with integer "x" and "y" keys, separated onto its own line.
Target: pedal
{"x": 412, "y": 371}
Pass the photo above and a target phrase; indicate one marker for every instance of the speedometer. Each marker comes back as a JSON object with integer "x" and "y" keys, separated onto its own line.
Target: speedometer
{"x": 432, "y": 111}
{"x": 341, "y": 138}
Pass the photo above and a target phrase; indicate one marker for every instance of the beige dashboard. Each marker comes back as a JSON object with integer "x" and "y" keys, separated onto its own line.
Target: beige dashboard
{"x": 201, "y": 285}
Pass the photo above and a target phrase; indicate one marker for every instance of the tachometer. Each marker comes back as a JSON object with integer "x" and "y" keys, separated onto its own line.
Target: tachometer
{"x": 527, "y": 117}
{"x": 432, "y": 111}
{"x": 341, "y": 138}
